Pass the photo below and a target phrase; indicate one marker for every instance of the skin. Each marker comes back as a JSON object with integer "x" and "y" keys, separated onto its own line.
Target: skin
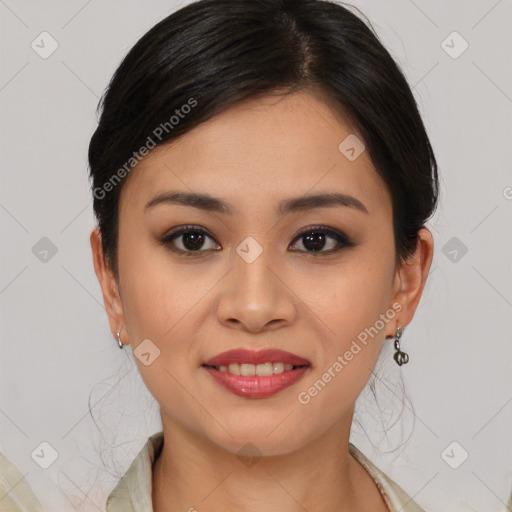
{"x": 311, "y": 304}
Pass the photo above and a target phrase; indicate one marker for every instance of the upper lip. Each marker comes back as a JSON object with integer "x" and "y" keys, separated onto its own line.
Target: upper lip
{"x": 242, "y": 356}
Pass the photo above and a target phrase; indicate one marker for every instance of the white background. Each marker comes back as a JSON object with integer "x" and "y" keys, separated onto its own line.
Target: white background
{"x": 56, "y": 347}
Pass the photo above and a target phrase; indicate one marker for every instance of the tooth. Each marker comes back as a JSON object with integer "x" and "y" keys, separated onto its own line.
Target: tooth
{"x": 278, "y": 367}
{"x": 234, "y": 368}
{"x": 247, "y": 370}
{"x": 260, "y": 370}
{"x": 264, "y": 370}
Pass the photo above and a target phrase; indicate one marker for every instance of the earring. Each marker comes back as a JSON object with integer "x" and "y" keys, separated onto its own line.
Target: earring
{"x": 119, "y": 342}
{"x": 399, "y": 356}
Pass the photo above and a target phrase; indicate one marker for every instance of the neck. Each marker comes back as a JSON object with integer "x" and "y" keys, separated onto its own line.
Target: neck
{"x": 192, "y": 473}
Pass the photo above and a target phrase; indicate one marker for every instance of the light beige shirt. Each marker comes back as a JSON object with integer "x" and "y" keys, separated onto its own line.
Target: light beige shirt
{"x": 133, "y": 491}
{"x": 15, "y": 492}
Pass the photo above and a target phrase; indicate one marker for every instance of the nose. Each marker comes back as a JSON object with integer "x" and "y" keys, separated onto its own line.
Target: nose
{"x": 255, "y": 296}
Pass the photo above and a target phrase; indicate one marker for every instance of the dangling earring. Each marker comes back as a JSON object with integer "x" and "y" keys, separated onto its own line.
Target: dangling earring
{"x": 399, "y": 356}
{"x": 119, "y": 342}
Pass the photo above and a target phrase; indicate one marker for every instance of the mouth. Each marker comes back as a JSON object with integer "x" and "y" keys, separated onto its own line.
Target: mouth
{"x": 259, "y": 370}
{"x": 256, "y": 374}
{"x": 245, "y": 359}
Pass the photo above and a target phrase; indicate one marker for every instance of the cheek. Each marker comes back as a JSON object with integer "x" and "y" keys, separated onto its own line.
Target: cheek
{"x": 157, "y": 294}
{"x": 159, "y": 306}
{"x": 166, "y": 303}
{"x": 350, "y": 297}
{"x": 352, "y": 310}
{"x": 348, "y": 349}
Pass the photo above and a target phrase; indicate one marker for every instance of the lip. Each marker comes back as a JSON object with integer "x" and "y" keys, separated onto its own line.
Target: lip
{"x": 260, "y": 357}
{"x": 254, "y": 386}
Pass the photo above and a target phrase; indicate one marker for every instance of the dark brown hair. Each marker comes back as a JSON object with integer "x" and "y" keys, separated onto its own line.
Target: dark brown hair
{"x": 211, "y": 54}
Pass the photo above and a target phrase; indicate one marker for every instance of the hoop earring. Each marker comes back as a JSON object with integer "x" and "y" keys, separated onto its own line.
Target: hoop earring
{"x": 119, "y": 342}
{"x": 399, "y": 356}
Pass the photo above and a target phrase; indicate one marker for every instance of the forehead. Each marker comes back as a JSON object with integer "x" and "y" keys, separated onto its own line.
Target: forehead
{"x": 259, "y": 152}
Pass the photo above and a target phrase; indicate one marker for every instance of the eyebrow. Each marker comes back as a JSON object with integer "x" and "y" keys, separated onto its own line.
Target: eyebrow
{"x": 297, "y": 204}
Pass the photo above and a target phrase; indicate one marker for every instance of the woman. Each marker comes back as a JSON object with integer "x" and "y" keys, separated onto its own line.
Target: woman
{"x": 262, "y": 179}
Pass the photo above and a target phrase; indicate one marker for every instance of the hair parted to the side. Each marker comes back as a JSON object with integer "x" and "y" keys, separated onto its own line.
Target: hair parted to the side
{"x": 217, "y": 53}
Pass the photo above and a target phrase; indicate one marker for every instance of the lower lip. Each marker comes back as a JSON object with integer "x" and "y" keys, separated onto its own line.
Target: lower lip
{"x": 254, "y": 386}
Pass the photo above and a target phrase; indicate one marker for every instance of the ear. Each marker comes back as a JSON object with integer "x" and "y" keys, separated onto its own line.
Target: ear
{"x": 109, "y": 285}
{"x": 410, "y": 279}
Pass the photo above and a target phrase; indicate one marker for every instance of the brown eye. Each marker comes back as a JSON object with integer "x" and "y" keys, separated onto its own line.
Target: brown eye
{"x": 189, "y": 240}
{"x": 316, "y": 238}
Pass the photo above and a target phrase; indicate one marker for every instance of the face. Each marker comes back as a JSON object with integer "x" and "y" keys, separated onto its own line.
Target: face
{"x": 259, "y": 268}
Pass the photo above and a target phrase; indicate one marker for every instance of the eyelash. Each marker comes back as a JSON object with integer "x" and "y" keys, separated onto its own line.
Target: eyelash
{"x": 341, "y": 238}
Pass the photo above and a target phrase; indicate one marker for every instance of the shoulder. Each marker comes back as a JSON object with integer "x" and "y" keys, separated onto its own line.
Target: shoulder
{"x": 395, "y": 497}
{"x": 133, "y": 491}
{"x": 15, "y": 492}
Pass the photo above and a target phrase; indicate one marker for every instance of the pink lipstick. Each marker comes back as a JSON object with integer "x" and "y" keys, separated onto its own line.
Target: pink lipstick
{"x": 261, "y": 374}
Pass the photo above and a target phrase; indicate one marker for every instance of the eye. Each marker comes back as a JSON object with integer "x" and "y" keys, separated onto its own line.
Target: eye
{"x": 188, "y": 240}
{"x": 316, "y": 238}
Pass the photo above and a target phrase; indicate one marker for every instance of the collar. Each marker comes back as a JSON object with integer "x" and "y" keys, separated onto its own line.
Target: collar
{"x": 133, "y": 491}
